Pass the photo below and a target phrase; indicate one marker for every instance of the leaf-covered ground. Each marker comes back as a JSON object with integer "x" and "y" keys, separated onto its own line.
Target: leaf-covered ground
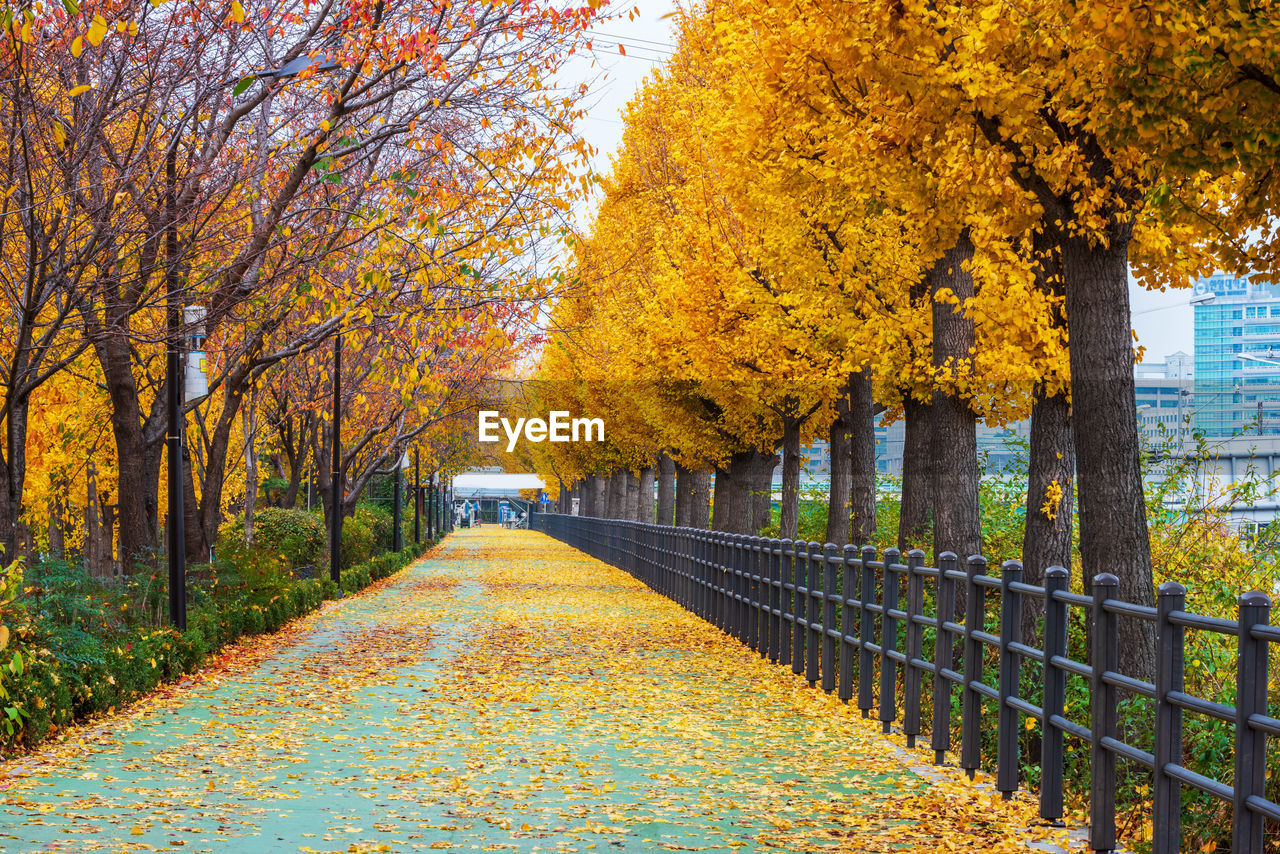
{"x": 505, "y": 694}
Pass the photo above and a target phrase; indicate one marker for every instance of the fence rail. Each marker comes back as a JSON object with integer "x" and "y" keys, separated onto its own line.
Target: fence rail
{"x": 836, "y": 616}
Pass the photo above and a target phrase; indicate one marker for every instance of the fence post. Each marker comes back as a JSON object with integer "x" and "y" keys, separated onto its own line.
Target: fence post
{"x": 775, "y": 599}
{"x": 1056, "y": 580}
{"x": 724, "y": 574}
{"x": 866, "y": 631}
{"x": 913, "y": 648}
{"x": 970, "y": 699}
{"x": 813, "y": 561}
{"x": 830, "y": 559}
{"x": 889, "y": 641}
{"x": 742, "y": 587}
{"x": 848, "y": 591}
{"x": 1010, "y": 672}
{"x": 787, "y": 597}
{"x": 733, "y": 582}
{"x": 1166, "y": 820}
{"x": 1251, "y": 744}
{"x": 1105, "y": 657}
{"x": 799, "y": 551}
{"x": 755, "y": 603}
{"x": 944, "y": 654}
{"x": 748, "y": 608}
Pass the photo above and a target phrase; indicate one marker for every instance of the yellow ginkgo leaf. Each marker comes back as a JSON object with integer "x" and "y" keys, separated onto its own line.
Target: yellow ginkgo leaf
{"x": 237, "y": 11}
{"x": 97, "y": 30}
{"x": 82, "y": 88}
{"x": 4, "y": 636}
{"x": 77, "y": 46}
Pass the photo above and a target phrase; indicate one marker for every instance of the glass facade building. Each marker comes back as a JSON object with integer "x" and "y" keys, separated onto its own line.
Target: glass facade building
{"x": 1237, "y": 359}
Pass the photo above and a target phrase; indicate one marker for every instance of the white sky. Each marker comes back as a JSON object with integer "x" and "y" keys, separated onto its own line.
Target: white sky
{"x": 1163, "y": 321}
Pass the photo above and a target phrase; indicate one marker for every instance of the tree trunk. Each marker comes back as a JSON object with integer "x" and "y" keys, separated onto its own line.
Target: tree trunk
{"x": 57, "y": 542}
{"x": 645, "y": 512}
{"x": 915, "y": 514}
{"x": 13, "y": 471}
{"x": 616, "y": 496}
{"x": 666, "y": 489}
{"x": 700, "y": 500}
{"x": 139, "y": 449}
{"x": 838, "y": 507}
{"x": 732, "y": 512}
{"x": 1047, "y": 541}
{"x": 789, "y": 515}
{"x": 762, "y": 491}
{"x": 957, "y": 523}
{"x": 1113, "y": 512}
{"x": 862, "y": 453}
{"x": 92, "y": 551}
{"x": 600, "y": 496}
{"x": 684, "y": 496}
{"x": 631, "y": 509}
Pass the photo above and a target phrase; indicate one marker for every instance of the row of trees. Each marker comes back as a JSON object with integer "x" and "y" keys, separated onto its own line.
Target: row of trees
{"x": 827, "y": 212}
{"x": 299, "y": 169}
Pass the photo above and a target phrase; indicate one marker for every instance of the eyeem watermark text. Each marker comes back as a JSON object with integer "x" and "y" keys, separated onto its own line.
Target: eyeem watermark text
{"x": 558, "y": 427}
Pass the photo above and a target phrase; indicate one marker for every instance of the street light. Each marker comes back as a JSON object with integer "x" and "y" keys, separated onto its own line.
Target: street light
{"x": 397, "y": 534}
{"x": 335, "y": 470}
{"x": 174, "y": 375}
{"x": 417, "y": 497}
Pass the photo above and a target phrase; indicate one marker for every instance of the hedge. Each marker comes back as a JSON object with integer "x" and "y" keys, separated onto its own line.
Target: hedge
{"x": 51, "y": 689}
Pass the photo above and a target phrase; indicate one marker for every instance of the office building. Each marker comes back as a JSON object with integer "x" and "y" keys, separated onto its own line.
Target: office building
{"x": 1237, "y": 358}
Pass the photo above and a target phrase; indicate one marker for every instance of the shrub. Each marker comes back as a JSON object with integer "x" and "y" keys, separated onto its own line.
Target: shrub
{"x": 81, "y": 646}
{"x": 379, "y": 521}
{"x": 297, "y": 535}
{"x": 357, "y": 540}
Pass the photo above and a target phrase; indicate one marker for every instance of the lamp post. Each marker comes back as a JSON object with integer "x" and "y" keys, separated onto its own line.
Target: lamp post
{"x": 397, "y": 521}
{"x": 173, "y": 404}
{"x": 335, "y": 471}
{"x": 431, "y": 507}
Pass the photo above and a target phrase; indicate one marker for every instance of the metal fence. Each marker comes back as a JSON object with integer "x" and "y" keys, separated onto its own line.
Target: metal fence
{"x": 838, "y": 617}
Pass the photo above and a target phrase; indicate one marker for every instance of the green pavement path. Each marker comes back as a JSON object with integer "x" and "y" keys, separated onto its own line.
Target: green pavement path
{"x": 506, "y": 693}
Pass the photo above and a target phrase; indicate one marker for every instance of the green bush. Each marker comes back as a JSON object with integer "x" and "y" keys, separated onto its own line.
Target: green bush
{"x": 297, "y": 535}
{"x": 357, "y": 540}
{"x": 379, "y": 521}
{"x": 83, "y": 648}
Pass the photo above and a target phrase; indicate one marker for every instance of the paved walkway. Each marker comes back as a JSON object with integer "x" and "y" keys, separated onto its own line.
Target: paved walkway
{"x": 505, "y": 694}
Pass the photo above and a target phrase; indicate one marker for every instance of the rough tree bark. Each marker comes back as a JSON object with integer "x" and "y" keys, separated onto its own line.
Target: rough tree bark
{"x": 1047, "y": 536}
{"x": 666, "y": 476}
{"x": 139, "y": 442}
{"x": 957, "y": 523}
{"x": 1113, "y": 513}
{"x": 615, "y": 495}
{"x": 684, "y": 496}
{"x": 1047, "y": 542}
{"x": 862, "y": 452}
{"x": 762, "y": 490}
{"x": 631, "y": 506}
{"x": 733, "y": 494}
{"x": 839, "y": 495}
{"x": 600, "y": 496}
{"x": 645, "y": 511}
{"x": 789, "y": 514}
{"x": 700, "y": 500}
{"x": 916, "y": 512}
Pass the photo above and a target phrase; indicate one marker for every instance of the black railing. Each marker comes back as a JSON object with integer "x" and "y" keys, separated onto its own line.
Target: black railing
{"x": 820, "y": 609}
